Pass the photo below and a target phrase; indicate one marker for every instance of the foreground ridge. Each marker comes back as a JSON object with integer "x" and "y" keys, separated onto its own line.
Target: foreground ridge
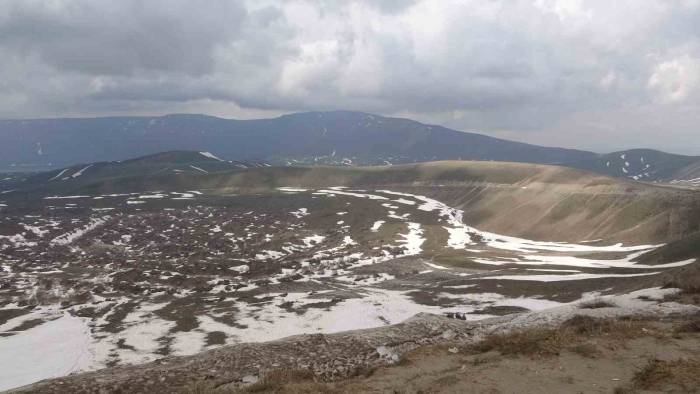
{"x": 343, "y": 355}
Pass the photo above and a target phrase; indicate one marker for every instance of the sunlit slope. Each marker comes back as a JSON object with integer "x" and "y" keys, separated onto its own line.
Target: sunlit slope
{"x": 535, "y": 201}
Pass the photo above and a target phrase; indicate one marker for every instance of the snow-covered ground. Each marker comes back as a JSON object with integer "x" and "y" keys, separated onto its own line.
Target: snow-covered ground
{"x": 257, "y": 276}
{"x": 55, "y": 348}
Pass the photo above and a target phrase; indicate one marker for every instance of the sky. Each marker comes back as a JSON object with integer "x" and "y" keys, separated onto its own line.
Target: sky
{"x": 596, "y": 75}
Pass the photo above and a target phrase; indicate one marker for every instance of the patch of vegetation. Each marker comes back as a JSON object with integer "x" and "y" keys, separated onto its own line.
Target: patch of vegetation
{"x": 587, "y": 350}
{"x": 8, "y": 314}
{"x": 290, "y": 381}
{"x": 586, "y": 325}
{"x": 27, "y": 324}
{"x": 540, "y": 341}
{"x": 568, "y": 206}
{"x": 662, "y": 375}
{"x": 598, "y": 204}
{"x": 597, "y": 304}
{"x": 571, "y": 335}
{"x": 617, "y": 329}
{"x": 691, "y": 326}
{"x": 683, "y": 249}
{"x": 479, "y": 361}
{"x": 687, "y": 279}
{"x": 499, "y": 310}
{"x": 636, "y": 212}
{"x": 216, "y": 338}
{"x": 200, "y": 388}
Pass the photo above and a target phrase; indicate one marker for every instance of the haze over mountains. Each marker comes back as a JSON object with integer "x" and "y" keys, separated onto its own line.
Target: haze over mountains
{"x": 331, "y": 138}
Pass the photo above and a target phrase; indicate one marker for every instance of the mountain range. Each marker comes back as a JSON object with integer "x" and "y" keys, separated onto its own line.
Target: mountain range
{"x": 329, "y": 138}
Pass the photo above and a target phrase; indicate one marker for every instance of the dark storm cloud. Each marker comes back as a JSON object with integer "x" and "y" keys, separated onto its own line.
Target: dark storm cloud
{"x": 121, "y": 37}
{"x": 540, "y": 71}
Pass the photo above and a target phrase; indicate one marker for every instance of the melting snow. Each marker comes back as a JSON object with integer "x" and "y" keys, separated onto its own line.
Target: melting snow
{"x": 377, "y": 225}
{"x": 199, "y": 169}
{"x": 209, "y": 155}
{"x": 437, "y": 267}
{"x": 79, "y": 173}
{"x": 413, "y": 240}
{"x": 59, "y": 175}
{"x": 557, "y": 278}
{"x": 300, "y": 213}
{"x": 52, "y": 349}
{"x": 64, "y": 197}
{"x": 70, "y": 237}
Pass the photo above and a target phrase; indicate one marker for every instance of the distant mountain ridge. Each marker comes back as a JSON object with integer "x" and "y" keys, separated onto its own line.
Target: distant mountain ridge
{"x": 331, "y": 138}
{"x": 187, "y": 163}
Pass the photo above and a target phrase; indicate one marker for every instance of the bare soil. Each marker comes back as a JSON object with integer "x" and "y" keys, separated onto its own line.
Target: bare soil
{"x": 632, "y": 357}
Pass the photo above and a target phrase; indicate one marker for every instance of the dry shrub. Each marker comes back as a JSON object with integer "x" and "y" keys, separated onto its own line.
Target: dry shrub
{"x": 597, "y": 304}
{"x": 587, "y": 350}
{"x": 527, "y": 342}
{"x": 278, "y": 377}
{"x": 288, "y": 381}
{"x": 200, "y": 387}
{"x": 662, "y": 375}
{"x": 621, "y": 329}
{"x": 586, "y": 325}
{"x": 690, "y": 326}
{"x": 570, "y": 334}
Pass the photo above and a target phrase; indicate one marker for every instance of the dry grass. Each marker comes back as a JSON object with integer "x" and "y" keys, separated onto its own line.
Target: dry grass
{"x": 284, "y": 380}
{"x": 288, "y": 381}
{"x": 621, "y": 329}
{"x": 687, "y": 280}
{"x": 690, "y": 326}
{"x": 681, "y": 374}
{"x": 684, "y": 297}
{"x": 587, "y": 350}
{"x": 543, "y": 342}
{"x": 201, "y": 388}
{"x": 571, "y": 334}
{"x": 597, "y": 304}
{"x": 587, "y": 325}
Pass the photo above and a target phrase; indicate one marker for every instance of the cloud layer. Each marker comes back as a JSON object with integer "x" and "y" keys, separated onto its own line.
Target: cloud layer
{"x": 592, "y": 74}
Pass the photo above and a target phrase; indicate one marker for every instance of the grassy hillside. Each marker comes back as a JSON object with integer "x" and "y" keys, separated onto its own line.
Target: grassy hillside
{"x": 535, "y": 201}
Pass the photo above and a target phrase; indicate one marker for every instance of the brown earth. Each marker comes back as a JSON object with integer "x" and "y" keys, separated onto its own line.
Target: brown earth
{"x": 600, "y": 365}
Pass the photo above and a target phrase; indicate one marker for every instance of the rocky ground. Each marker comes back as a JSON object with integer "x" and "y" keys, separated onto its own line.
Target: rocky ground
{"x": 602, "y": 357}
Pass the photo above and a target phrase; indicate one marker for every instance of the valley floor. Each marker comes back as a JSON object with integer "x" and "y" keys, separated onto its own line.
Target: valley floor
{"x": 167, "y": 288}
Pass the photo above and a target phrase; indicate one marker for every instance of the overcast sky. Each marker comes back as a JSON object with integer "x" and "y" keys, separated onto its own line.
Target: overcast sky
{"x": 599, "y": 75}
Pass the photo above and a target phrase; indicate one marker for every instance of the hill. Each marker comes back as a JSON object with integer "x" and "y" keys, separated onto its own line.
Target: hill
{"x": 331, "y": 138}
{"x": 535, "y": 201}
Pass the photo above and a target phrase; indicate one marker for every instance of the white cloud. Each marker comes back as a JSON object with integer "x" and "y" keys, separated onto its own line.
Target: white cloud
{"x": 517, "y": 67}
{"x": 676, "y": 79}
{"x": 565, "y": 10}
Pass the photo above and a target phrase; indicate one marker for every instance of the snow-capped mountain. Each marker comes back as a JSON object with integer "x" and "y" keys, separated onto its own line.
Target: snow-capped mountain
{"x": 329, "y": 138}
